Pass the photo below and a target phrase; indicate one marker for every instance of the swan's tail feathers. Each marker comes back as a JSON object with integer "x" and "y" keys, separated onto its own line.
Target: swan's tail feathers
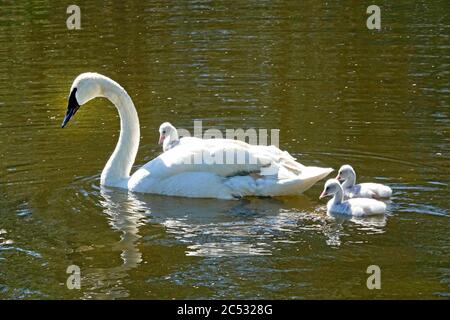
{"x": 280, "y": 163}
{"x": 292, "y": 165}
{"x": 310, "y": 176}
{"x": 292, "y": 186}
{"x": 316, "y": 173}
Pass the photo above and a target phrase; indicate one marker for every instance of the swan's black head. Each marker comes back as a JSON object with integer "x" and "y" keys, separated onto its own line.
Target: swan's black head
{"x": 72, "y": 107}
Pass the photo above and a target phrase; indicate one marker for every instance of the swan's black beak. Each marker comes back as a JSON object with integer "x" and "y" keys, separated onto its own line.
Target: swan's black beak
{"x": 72, "y": 107}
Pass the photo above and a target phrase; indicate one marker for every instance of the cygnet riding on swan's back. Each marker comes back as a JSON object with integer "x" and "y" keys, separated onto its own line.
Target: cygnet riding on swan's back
{"x": 353, "y": 207}
{"x": 168, "y": 137}
{"x": 347, "y": 176}
{"x": 175, "y": 173}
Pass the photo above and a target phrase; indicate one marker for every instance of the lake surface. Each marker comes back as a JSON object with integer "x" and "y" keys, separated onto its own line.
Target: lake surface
{"x": 338, "y": 92}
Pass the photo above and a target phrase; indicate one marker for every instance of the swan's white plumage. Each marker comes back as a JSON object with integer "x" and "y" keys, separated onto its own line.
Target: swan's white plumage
{"x": 277, "y": 173}
{"x": 191, "y": 169}
{"x": 368, "y": 190}
{"x": 353, "y": 207}
{"x": 362, "y": 190}
{"x": 357, "y": 207}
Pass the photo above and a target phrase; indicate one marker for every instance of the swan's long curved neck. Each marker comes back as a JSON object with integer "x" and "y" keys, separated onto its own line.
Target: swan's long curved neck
{"x": 117, "y": 170}
{"x": 171, "y": 141}
{"x": 338, "y": 196}
{"x": 350, "y": 181}
{"x": 174, "y": 136}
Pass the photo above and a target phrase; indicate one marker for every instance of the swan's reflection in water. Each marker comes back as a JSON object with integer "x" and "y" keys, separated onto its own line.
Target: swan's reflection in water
{"x": 217, "y": 228}
{"x": 213, "y": 228}
{"x": 126, "y": 214}
{"x": 335, "y": 229}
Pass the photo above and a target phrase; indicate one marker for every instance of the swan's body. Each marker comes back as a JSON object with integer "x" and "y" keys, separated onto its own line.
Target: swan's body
{"x": 191, "y": 169}
{"x": 352, "y": 207}
{"x": 347, "y": 175}
{"x": 187, "y": 170}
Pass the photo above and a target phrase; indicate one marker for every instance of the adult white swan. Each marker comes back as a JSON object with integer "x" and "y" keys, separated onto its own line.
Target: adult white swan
{"x": 178, "y": 172}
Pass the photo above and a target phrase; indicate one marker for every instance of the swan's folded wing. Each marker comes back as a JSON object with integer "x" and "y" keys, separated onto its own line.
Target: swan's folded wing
{"x": 229, "y": 158}
{"x": 364, "y": 206}
{"x": 292, "y": 185}
{"x": 208, "y": 167}
{"x": 225, "y": 159}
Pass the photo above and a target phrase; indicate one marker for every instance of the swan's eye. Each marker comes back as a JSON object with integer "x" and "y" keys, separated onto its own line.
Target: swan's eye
{"x": 164, "y": 131}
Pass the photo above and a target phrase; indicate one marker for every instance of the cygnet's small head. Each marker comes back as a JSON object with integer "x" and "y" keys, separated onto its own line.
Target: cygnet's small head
{"x": 345, "y": 172}
{"x": 85, "y": 87}
{"x": 166, "y": 130}
{"x": 331, "y": 187}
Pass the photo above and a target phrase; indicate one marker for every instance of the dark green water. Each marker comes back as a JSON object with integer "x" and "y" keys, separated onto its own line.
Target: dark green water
{"x": 338, "y": 92}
